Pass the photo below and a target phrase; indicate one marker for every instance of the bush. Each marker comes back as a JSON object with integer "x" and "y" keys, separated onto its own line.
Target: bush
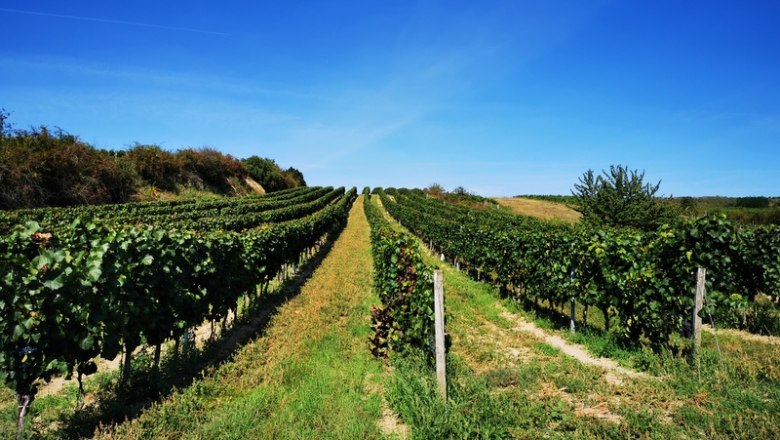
{"x": 156, "y": 166}
{"x": 55, "y": 168}
{"x": 210, "y": 167}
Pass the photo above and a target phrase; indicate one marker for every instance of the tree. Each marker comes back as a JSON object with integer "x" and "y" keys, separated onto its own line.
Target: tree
{"x": 3, "y": 117}
{"x": 266, "y": 172}
{"x": 435, "y": 189}
{"x": 296, "y": 175}
{"x": 621, "y": 198}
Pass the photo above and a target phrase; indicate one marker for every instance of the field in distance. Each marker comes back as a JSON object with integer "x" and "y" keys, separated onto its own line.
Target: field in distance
{"x": 541, "y": 209}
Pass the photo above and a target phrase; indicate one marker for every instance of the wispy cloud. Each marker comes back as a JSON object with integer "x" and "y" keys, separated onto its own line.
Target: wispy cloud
{"x": 152, "y": 77}
{"x": 110, "y": 21}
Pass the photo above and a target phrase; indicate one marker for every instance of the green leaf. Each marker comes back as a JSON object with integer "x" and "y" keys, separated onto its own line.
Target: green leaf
{"x": 56, "y": 283}
{"x": 87, "y": 343}
{"x": 95, "y": 273}
{"x": 30, "y": 228}
{"x": 18, "y": 331}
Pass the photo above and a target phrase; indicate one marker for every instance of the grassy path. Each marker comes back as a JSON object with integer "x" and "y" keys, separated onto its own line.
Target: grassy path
{"x": 309, "y": 376}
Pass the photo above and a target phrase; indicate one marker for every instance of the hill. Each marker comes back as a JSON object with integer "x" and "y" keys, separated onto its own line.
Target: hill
{"x": 45, "y": 167}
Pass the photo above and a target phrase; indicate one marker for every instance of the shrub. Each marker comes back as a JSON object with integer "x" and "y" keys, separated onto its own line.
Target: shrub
{"x": 209, "y": 166}
{"x": 42, "y": 167}
{"x": 156, "y": 166}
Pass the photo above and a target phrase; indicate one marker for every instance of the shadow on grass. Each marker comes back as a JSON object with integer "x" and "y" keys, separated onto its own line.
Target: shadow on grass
{"x": 559, "y": 319}
{"x": 147, "y": 386}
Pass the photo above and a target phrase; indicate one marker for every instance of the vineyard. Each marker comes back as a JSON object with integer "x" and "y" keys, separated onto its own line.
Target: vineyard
{"x": 641, "y": 282}
{"x": 90, "y": 282}
{"x": 84, "y": 282}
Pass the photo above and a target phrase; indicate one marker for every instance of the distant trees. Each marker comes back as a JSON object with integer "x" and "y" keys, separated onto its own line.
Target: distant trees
{"x": 270, "y": 175}
{"x": 620, "y": 197}
{"x": 752, "y": 202}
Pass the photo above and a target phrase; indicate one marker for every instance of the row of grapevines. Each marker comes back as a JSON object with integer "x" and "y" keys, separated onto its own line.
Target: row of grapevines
{"x": 186, "y": 215}
{"x": 404, "y": 285}
{"x": 643, "y": 281}
{"x": 92, "y": 289}
{"x": 231, "y": 222}
{"x": 131, "y": 212}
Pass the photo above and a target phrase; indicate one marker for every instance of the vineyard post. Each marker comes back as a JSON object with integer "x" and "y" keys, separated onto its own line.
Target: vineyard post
{"x": 701, "y": 275}
{"x": 24, "y": 401}
{"x": 185, "y": 341}
{"x": 571, "y": 320}
{"x": 573, "y": 304}
{"x": 438, "y": 306}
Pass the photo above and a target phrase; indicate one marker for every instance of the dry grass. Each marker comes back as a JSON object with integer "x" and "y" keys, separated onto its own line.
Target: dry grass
{"x": 540, "y": 209}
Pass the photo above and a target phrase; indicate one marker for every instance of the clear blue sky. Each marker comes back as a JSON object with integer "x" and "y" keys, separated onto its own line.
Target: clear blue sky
{"x": 503, "y": 98}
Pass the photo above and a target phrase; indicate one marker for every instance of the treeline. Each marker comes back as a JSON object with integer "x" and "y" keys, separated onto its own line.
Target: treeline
{"x": 750, "y": 210}
{"x": 44, "y": 167}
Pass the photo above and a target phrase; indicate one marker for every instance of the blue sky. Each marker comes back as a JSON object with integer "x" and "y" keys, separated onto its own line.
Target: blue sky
{"x": 500, "y": 97}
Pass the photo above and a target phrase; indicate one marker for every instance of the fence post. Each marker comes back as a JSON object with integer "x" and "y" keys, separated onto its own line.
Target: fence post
{"x": 571, "y": 320}
{"x": 573, "y": 303}
{"x": 438, "y": 305}
{"x": 701, "y": 277}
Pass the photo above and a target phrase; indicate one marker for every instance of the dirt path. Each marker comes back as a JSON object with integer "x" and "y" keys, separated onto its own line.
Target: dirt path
{"x": 614, "y": 372}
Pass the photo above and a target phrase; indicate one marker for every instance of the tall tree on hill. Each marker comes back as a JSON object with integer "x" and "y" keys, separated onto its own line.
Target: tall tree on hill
{"x": 621, "y": 198}
{"x": 296, "y": 175}
{"x": 270, "y": 175}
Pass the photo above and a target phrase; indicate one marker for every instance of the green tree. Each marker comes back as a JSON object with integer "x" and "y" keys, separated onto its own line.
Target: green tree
{"x": 266, "y": 172}
{"x": 3, "y": 117}
{"x": 621, "y": 198}
{"x": 296, "y": 175}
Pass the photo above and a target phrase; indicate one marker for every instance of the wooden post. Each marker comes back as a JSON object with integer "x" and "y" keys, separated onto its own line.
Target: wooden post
{"x": 438, "y": 304}
{"x": 701, "y": 277}
{"x": 571, "y": 321}
{"x": 24, "y": 402}
{"x": 573, "y": 302}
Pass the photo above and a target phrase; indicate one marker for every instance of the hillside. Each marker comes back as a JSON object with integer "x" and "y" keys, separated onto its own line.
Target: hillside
{"x": 44, "y": 167}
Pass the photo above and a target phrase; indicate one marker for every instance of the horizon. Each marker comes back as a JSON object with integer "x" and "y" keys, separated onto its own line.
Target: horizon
{"x": 502, "y": 98}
